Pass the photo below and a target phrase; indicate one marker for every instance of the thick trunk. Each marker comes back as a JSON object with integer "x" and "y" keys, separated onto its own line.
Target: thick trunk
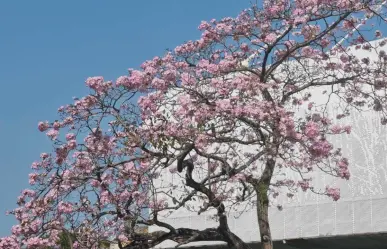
{"x": 261, "y": 188}
{"x": 263, "y": 218}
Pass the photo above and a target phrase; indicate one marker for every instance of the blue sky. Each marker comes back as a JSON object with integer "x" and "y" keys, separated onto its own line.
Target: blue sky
{"x": 48, "y": 49}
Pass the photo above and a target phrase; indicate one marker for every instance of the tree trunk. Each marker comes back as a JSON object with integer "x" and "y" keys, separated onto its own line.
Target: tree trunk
{"x": 263, "y": 217}
{"x": 261, "y": 189}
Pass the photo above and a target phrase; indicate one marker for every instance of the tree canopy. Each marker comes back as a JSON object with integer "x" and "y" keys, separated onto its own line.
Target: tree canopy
{"x": 226, "y": 113}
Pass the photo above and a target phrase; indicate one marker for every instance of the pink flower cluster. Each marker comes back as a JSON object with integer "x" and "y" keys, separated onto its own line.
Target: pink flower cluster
{"x": 98, "y": 84}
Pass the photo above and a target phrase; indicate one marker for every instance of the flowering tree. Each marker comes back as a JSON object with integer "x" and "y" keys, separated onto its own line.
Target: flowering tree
{"x": 230, "y": 113}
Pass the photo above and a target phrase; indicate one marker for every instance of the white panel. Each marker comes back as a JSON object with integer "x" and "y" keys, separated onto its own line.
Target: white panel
{"x": 246, "y": 226}
{"x": 309, "y": 225}
{"x": 326, "y": 219}
{"x": 277, "y": 217}
{"x": 344, "y": 218}
{"x": 292, "y": 226}
{"x": 379, "y": 215}
{"x": 362, "y": 216}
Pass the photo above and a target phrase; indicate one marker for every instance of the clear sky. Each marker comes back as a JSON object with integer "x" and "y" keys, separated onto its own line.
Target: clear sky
{"x": 48, "y": 48}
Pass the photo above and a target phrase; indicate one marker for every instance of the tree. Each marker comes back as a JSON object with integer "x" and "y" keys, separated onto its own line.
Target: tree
{"x": 230, "y": 113}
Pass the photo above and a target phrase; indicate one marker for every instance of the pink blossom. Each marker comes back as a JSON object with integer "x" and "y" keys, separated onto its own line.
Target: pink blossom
{"x": 35, "y": 242}
{"x": 159, "y": 83}
{"x": 97, "y": 83}
{"x": 344, "y": 58}
{"x": 105, "y": 197}
{"x": 44, "y": 156}
{"x": 68, "y": 120}
{"x": 65, "y": 207}
{"x": 35, "y": 165}
{"x": 224, "y": 104}
{"x": 43, "y": 126}
{"x": 204, "y": 25}
{"x": 33, "y": 177}
{"x": 95, "y": 183}
{"x": 336, "y": 129}
{"x": 76, "y": 245}
{"x": 343, "y": 170}
{"x": 56, "y": 125}
{"x": 305, "y": 185}
{"x": 312, "y": 129}
{"x": 300, "y": 20}
{"x": 123, "y": 238}
{"x": 347, "y": 129}
{"x": 244, "y": 47}
{"x": 334, "y": 193}
{"x": 72, "y": 144}
{"x": 145, "y": 102}
{"x": 70, "y": 136}
{"x": 52, "y": 134}
{"x": 187, "y": 79}
{"x": 10, "y": 242}
{"x": 201, "y": 141}
{"x": 321, "y": 148}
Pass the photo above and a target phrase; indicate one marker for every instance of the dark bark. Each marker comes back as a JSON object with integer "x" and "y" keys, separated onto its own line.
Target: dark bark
{"x": 184, "y": 236}
{"x": 181, "y": 236}
{"x": 232, "y": 239}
